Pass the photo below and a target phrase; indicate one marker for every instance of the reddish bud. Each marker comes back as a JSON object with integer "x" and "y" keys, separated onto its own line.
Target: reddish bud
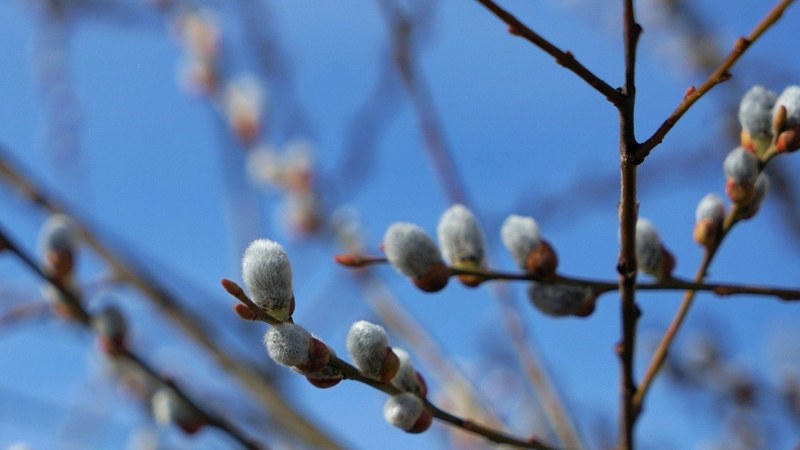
{"x": 542, "y": 260}
{"x": 471, "y": 280}
{"x": 423, "y": 386}
{"x": 232, "y": 288}
{"x": 739, "y": 193}
{"x": 391, "y": 364}
{"x": 788, "y": 141}
{"x": 435, "y": 279}
{"x": 691, "y": 90}
{"x": 60, "y": 263}
{"x": 349, "y": 260}
{"x": 319, "y": 355}
{"x": 244, "y": 311}
{"x": 423, "y": 423}
{"x": 323, "y": 383}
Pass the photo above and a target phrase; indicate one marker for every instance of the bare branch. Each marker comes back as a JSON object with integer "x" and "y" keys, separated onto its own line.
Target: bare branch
{"x": 563, "y": 58}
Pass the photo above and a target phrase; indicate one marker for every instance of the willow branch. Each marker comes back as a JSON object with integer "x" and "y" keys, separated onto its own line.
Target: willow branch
{"x": 600, "y": 286}
{"x": 82, "y": 317}
{"x": 720, "y": 75}
{"x": 282, "y": 413}
{"x": 563, "y": 58}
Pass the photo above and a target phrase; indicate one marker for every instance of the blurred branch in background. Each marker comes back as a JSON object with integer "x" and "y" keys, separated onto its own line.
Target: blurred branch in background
{"x": 280, "y": 410}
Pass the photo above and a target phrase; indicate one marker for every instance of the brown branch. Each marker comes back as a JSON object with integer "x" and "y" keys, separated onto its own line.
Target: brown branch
{"x": 82, "y": 317}
{"x": 628, "y": 213}
{"x": 603, "y": 287}
{"x": 720, "y": 75}
{"x": 289, "y": 419}
{"x": 563, "y": 58}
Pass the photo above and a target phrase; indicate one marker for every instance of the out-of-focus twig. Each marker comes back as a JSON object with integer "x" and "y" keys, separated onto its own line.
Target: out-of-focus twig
{"x": 85, "y": 319}
{"x": 282, "y": 413}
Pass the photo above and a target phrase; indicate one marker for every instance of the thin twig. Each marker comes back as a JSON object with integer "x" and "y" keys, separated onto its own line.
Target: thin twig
{"x": 563, "y": 58}
{"x": 82, "y": 317}
{"x": 602, "y": 287}
{"x": 720, "y": 75}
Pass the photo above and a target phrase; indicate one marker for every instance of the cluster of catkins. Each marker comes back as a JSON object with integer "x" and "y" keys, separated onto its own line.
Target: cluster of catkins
{"x": 267, "y": 274}
{"x": 770, "y": 126}
{"x": 461, "y": 240}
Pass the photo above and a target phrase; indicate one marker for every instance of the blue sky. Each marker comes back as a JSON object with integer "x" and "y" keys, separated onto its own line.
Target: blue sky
{"x": 154, "y": 169}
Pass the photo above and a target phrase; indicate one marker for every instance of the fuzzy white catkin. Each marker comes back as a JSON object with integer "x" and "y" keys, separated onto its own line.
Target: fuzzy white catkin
{"x": 58, "y": 234}
{"x": 410, "y": 250}
{"x": 460, "y": 237}
{"x": 649, "y": 252}
{"x": 268, "y": 276}
{"x": 366, "y": 344}
{"x": 558, "y": 299}
{"x": 288, "y": 344}
{"x": 520, "y": 236}
{"x": 741, "y": 166}
{"x": 403, "y": 410}
{"x": 406, "y": 377}
{"x": 790, "y": 99}
{"x": 755, "y": 112}
{"x": 712, "y": 208}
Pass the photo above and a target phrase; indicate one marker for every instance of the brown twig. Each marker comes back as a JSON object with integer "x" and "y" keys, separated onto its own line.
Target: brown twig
{"x": 628, "y": 213}
{"x": 603, "y": 287}
{"x": 282, "y": 413}
{"x": 81, "y": 316}
{"x": 563, "y": 58}
{"x": 720, "y": 75}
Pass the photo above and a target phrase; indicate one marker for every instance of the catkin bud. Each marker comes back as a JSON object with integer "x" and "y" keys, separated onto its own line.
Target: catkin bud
{"x": 415, "y": 255}
{"x": 407, "y": 379}
{"x": 268, "y": 276}
{"x": 110, "y": 326}
{"x": 651, "y": 256}
{"x": 533, "y": 254}
{"x": 710, "y": 214}
{"x": 562, "y": 299}
{"x": 761, "y": 188}
{"x": 369, "y": 349}
{"x": 58, "y": 243}
{"x": 169, "y": 407}
{"x": 741, "y": 171}
{"x": 755, "y": 116}
{"x": 462, "y": 242}
{"x": 407, "y": 412}
{"x": 288, "y": 344}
